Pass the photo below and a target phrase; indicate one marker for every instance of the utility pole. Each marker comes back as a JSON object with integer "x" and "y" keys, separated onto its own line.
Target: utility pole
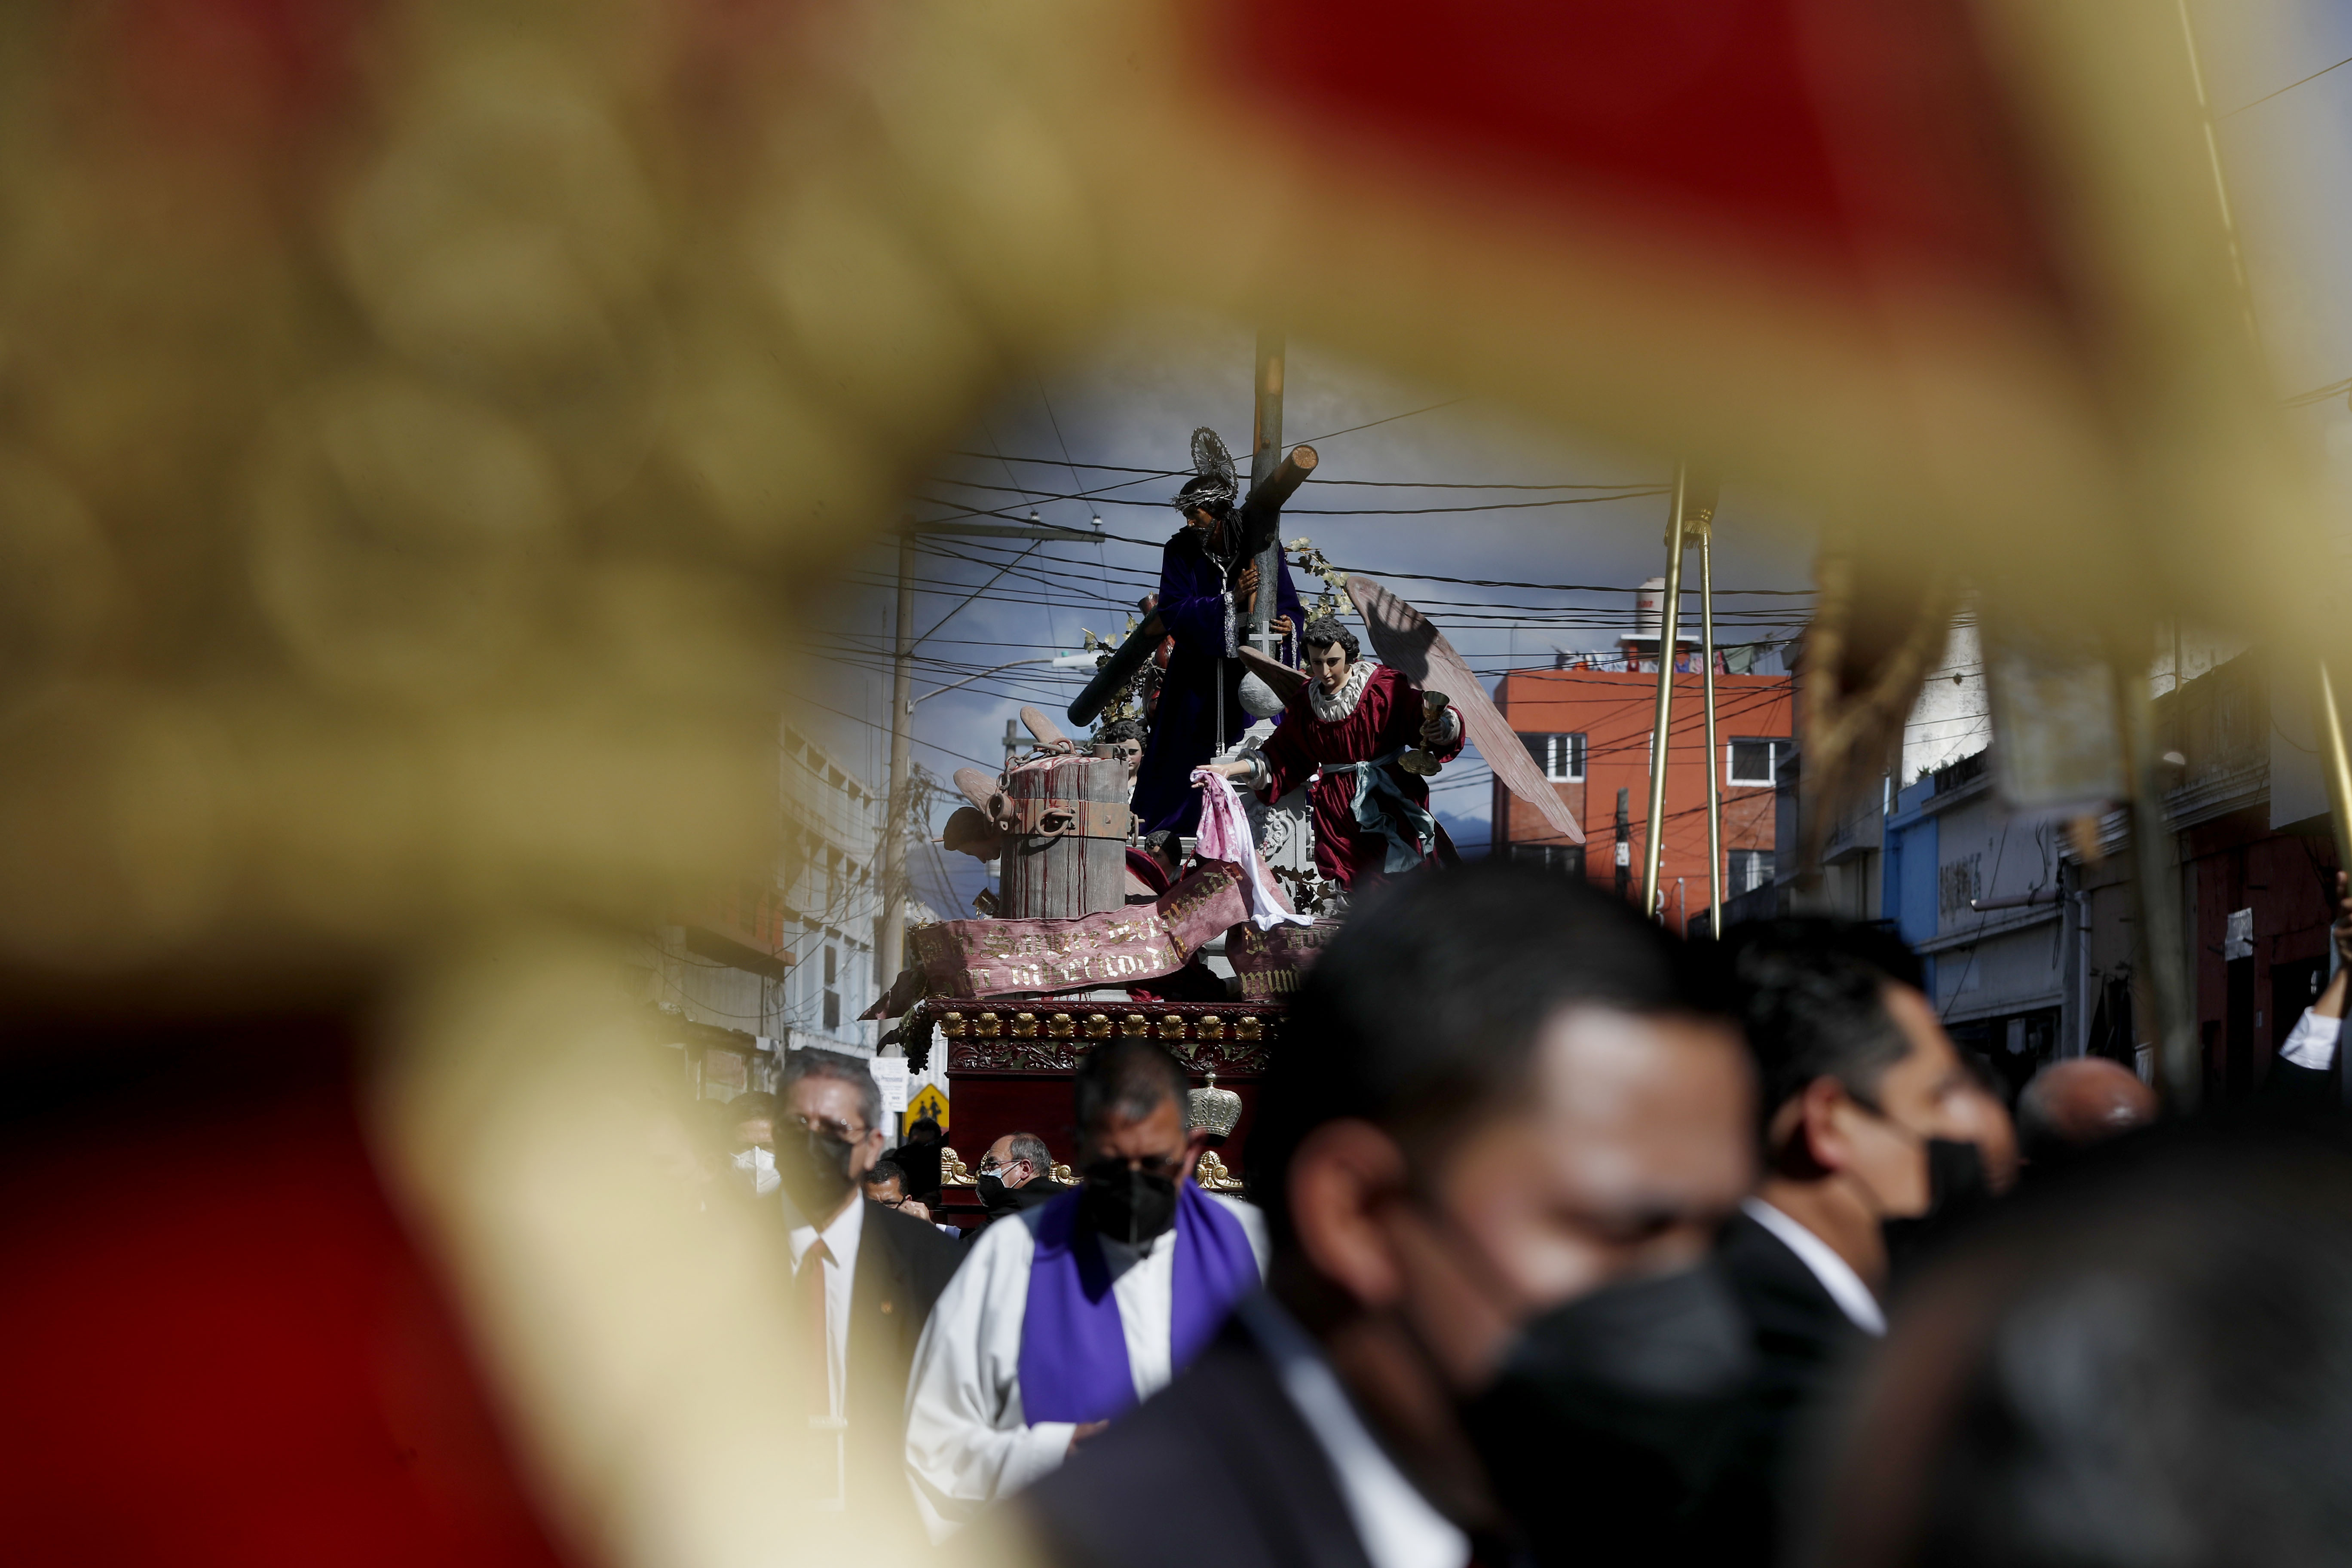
{"x": 890, "y": 937}
{"x": 1670, "y": 626}
{"x": 1623, "y": 849}
{"x": 1701, "y": 522}
{"x": 1266, "y": 457}
{"x": 890, "y": 925}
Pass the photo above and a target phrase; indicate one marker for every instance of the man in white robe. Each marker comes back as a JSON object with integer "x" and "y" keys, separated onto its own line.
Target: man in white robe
{"x": 1067, "y": 1314}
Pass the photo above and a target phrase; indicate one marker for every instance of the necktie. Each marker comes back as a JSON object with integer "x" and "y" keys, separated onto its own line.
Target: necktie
{"x": 819, "y": 1348}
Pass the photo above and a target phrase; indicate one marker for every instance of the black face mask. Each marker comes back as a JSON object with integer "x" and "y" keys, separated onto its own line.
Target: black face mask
{"x": 993, "y": 1191}
{"x": 1126, "y": 1204}
{"x": 1622, "y": 1408}
{"x": 1956, "y": 1190}
{"x": 814, "y": 1167}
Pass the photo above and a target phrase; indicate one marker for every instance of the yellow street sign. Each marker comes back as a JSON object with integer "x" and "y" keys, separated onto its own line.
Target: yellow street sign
{"x": 932, "y": 1101}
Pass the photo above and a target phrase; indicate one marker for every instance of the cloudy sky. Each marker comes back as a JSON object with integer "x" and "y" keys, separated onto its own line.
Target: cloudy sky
{"x": 1396, "y": 494}
{"x": 1406, "y": 496}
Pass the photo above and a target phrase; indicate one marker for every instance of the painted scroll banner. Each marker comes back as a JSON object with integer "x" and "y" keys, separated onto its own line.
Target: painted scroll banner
{"x": 1271, "y": 962}
{"x": 972, "y": 959}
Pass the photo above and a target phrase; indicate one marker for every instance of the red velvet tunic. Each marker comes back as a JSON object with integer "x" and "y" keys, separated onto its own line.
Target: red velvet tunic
{"x": 1386, "y": 717}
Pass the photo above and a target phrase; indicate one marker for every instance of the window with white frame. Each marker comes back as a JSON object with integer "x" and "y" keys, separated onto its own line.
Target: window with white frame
{"x": 1561, "y": 757}
{"x": 1749, "y": 869}
{"x": 1753, "y": 762}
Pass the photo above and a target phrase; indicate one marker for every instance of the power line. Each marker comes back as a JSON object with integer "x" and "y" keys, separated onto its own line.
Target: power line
{"x": 1391, "y": 419}
{"x": 2288, "y": 88}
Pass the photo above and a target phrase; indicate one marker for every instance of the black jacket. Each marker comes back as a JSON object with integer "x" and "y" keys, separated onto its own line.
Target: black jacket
{"x": 902, "y": 1266}
{"x": 1217, "y": 1467}
{"x": 1803, "y": 1340}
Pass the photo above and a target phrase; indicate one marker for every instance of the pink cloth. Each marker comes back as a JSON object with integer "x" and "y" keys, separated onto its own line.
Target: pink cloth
{"x": 1225, "y": 835}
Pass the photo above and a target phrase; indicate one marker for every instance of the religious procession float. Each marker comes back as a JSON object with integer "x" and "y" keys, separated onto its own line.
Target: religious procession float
{"x": 1171, "y": 871}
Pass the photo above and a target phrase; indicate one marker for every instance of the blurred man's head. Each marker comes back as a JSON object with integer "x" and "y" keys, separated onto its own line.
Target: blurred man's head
{"x": 1016, "y": 1159}
{"x": 885, "y": 1183}
{"x": 1858, "y": 1074}
{"x": 2075, "y": 1104}
{"x": 2148, "y": 1362}
{"x": 752, "y": 1120}
{"x": 923, "y": 1129}
{"x": 829, "y": 1130}
{"x": 1496, "y": 1094}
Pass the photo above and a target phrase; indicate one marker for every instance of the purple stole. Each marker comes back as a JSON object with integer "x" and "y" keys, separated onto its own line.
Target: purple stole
{"x": 1072, "y": 1349}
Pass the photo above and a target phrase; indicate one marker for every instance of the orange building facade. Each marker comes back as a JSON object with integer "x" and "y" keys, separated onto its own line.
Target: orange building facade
{"x": 1588, "y": 728}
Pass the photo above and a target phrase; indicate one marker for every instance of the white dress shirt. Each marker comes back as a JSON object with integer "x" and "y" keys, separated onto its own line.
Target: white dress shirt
{"x": 968, "y": 1442}
{"x": 2312, "y": 1042}
{"x": 1837, "y": 1277}
{"x": 840, "y": 1274}
{"x": 1396, "y": 1526}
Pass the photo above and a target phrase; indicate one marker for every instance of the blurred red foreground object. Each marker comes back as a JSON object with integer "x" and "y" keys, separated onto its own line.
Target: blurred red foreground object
{"x": 222, "y": 1348}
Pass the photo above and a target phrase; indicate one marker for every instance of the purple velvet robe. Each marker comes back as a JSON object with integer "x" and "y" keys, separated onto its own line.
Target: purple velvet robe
{"x": 1387, "y": 718}
{"x": 1183, "y": 733}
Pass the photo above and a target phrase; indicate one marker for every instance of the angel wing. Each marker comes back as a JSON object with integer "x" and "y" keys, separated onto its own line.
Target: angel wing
{"x": 1408, "y": 644}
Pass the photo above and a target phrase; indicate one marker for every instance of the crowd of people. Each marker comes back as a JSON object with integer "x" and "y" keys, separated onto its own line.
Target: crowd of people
{"x": 1568, "y": 1242}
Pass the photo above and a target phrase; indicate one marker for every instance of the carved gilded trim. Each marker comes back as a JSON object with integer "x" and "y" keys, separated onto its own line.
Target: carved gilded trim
{"x": 1232, "y": 1039}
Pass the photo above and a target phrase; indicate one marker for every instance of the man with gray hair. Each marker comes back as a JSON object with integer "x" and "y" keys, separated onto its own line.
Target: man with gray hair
{"x": 864, "y": 1276}
{"x": 1015, "y": 1175}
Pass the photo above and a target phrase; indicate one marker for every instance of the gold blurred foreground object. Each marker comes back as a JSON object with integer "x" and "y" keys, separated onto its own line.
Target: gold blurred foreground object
{"x": 417, "y": 439}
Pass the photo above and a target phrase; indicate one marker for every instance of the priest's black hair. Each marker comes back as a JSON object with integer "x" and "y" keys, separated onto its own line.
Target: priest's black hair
{"x": 1324, "y": 631}
{"x": 1424, "y": 1012}
{"x": 1131, "y": 1077}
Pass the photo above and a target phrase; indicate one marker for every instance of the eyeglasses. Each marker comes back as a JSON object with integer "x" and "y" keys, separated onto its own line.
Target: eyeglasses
{"x": 826, "y": 1124}
{"x": 990, "y": 1165}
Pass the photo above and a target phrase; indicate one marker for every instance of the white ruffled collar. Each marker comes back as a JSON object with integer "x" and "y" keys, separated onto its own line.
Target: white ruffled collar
{"x": 1342, "y": 704}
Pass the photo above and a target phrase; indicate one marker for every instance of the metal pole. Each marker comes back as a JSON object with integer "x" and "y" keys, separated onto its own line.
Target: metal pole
{"x": 1713, "y": 751}
{"x": 1670, "y": 620}
{"x": 890, "y": 938}
{"x": 2156, "y": 900}
{"x": 2339, "y": 772}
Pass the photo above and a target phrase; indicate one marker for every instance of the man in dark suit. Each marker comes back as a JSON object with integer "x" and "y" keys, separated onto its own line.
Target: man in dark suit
{"x": 1868, "y": 1110}
{"x": 2304, "y": 1072}
{"x": 865, "y": 1278}
{"x": 1492, "y": 1100}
